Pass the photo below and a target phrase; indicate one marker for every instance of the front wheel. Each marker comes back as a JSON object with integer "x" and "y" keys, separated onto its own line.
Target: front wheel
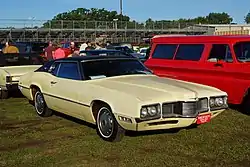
{"x": 107, "y": 126}
{"x": 41, "y": 106}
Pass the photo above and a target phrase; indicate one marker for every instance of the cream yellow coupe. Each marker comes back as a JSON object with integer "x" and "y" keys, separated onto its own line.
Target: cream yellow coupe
{"x": 12, "y": 66}
{"x": 117, "y": 92}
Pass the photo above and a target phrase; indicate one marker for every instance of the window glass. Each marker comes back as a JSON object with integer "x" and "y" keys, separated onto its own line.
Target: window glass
{"x": 242, "y": 51}
{"x": 164, "y": 51}
{"x": 112, "y": 68}
{"x": 191, "y": 52}
{"x": 220, "y": 52}
{"x": 69, "y": 71}
{"x": 54, "y": 69}
{"x": 45, "y": 67}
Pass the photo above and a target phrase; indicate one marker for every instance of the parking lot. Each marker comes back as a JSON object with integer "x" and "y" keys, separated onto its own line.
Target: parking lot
{"x": 29, "y": 140}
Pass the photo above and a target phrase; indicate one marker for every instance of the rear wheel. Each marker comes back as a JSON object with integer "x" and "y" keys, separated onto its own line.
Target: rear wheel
{"x": 246, "y": 105}
{"x": 4, "y": 94}
{"x": 107, "y": 126}
{"x": 41, "y": 106}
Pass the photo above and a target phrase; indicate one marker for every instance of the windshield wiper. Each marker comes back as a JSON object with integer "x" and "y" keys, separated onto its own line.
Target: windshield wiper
{"x": 137, "y": 72}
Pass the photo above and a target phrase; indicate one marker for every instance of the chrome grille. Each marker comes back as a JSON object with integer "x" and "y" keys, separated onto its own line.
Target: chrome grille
{"x": 189, "y": 109}
{"x": 184, "y": 109}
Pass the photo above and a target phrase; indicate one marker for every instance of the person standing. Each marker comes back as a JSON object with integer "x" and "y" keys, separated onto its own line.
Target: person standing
{"x": 50, "y": 51}
{"x": 89, "y": 47}
{"x": 109, "y": 45}
{"x": 83, "y": 46}
{"x": 59, "y": 52}
{"x": 72, "y": 47}
{"x": 10, "y": 48}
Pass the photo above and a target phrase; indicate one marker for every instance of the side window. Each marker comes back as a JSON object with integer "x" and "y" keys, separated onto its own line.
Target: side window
{"x": 220, "y": 52}
{"x": 164, "y": 51}
{"x": 69, "y": 71}
{"x": 54, "y": 69}
{"x": 190, "y": 52}
{"x": 45, "y": 67}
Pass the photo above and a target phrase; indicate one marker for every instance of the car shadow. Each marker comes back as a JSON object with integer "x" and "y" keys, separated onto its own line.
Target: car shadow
{"x": 76, "y": 120}
{"x": 128, "y": 133}
{"x": 15, "y": 94}
{"x": 238, "y": 108}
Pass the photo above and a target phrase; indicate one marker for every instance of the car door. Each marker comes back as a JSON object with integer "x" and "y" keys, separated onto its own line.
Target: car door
{"x": 220, "y": 70}
{"x": 65, "y": 88}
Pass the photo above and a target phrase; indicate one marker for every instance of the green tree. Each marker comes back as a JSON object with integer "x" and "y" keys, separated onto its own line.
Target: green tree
{"x": 247, "y": 18}
{"x": 219, "y": 18}
{"x": 79, "y": 15}
{"x": 211, "y": 18}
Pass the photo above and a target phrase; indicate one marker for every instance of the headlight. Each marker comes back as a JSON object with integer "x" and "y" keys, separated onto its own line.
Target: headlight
{"x": 150, "y": 112}
{"x": 218, "y": 102}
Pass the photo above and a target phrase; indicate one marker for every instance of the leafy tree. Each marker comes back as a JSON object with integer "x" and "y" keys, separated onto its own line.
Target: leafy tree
{"x": 219, "y": 18}
{"x": 247, "y": 18}
{"x": 82, "y": 14}
{"x": 76, "y": 19}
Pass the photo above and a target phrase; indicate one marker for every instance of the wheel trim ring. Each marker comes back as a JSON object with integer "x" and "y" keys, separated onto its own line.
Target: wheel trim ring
{"x": 99, "y": 123}
{"x": 39, "y": 103}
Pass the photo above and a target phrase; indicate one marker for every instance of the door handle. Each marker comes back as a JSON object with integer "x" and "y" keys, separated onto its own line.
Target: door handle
{"x": 53, "y": 82}
{"x": 218, "y": 65}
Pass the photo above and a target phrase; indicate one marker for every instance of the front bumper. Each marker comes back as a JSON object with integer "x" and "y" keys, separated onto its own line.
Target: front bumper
{"x": 163, "y": 123}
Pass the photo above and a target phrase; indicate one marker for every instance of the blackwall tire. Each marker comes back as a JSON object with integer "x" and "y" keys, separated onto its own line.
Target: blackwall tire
{"x": 245, "y": 108}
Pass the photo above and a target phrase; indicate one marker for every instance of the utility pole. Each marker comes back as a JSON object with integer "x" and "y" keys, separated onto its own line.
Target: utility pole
{"x": 121, "y": 7}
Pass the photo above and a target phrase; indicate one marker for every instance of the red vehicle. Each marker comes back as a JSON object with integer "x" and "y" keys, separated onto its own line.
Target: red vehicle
{"x": 66, "y": 47}
{"x": 219, "y": 61}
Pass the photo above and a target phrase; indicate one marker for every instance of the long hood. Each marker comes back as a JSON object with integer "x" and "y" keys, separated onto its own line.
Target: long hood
{"x": 19, "y": 70}
{"x": 154, "y": 88}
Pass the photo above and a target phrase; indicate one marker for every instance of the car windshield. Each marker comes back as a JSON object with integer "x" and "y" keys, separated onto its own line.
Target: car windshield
{"x": 113, "y": 67}
{"x": 20, "y": 59}
{"x": 242, "y": 51}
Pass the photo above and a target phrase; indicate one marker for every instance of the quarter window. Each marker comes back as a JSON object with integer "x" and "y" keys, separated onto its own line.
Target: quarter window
{"x": 164, "y": 51}
{"x": 190, "y": 52}
{"x": 220, "y": 52}
{"x": 69, "y": 71}
{"x": 54, "y": 69}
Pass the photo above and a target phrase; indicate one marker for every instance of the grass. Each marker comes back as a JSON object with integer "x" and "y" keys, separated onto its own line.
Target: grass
{"x": 28, "y": 140}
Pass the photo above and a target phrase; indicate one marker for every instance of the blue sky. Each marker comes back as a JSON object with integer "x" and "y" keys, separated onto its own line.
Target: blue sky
{"x": 136, "y": 9}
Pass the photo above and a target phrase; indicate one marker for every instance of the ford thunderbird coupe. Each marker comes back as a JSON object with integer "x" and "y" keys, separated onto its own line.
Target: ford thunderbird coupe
{"x": 12, "y": 66}
{"x": 117, "y": 93}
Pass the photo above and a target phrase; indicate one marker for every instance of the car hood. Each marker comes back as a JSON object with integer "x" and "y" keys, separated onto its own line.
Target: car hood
{"x": 153, "y": 88}
{"x": 18, "y": 70}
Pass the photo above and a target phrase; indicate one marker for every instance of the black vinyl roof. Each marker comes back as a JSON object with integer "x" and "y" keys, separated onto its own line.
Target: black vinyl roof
{"x": 101, "y": 54}
{"x": 120, "y": 55}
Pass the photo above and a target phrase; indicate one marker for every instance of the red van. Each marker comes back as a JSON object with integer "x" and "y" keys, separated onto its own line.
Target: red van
{"x": 219, "y": 61}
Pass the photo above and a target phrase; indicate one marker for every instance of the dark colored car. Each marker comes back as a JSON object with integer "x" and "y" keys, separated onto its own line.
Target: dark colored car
{"x": 129, "y": 51}
{"x": 31, "y": 47}
{"x": 104, "y": 53}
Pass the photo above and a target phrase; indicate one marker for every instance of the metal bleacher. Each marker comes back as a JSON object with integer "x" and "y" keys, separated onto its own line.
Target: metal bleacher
{"x": 64, "y": 30}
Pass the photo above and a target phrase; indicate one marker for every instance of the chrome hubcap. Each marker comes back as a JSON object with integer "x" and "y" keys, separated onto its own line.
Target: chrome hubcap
{"x": 39, "y": 103}
{"x": 105, "y": 123}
